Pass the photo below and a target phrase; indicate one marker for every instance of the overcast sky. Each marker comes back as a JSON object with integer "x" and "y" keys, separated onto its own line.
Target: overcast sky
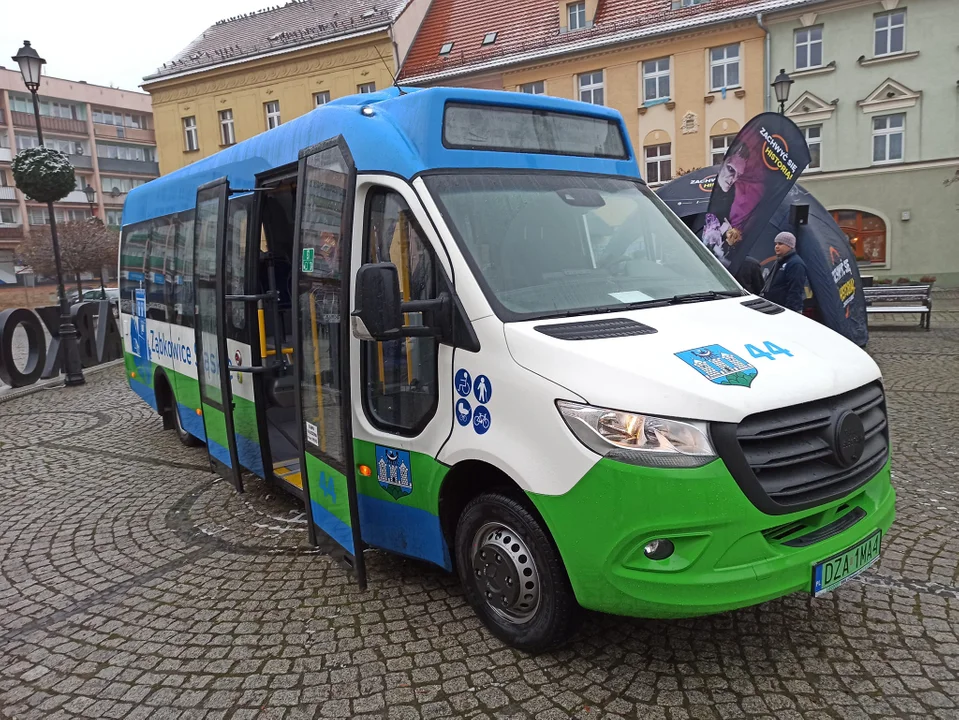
{"x": 110, "y": 43}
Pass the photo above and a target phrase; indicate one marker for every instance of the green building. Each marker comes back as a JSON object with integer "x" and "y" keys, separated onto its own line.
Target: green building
{"x": 876, "y": 94}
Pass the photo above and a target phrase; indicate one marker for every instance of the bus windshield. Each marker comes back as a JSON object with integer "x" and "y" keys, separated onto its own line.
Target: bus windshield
{"x": 551, "y": 244}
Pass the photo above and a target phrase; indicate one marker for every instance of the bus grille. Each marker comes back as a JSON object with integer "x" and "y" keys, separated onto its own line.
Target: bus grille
{"x": 787, "y": 460}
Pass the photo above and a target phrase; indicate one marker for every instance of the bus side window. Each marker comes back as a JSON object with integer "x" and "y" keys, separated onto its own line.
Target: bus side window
{"x": 161, "y": 238}
{"x": 236, "y": 270}
{"x": 183, "y": 270}
{"x": 399, "y": 376}
{"x": 132, "y": 264}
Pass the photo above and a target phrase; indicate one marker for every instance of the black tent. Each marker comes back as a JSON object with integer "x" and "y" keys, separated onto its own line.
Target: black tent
{"x": 823, "y": 246}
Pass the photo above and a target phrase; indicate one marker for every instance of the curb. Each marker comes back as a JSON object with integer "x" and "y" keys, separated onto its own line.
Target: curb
{"x": 14, "y": 393}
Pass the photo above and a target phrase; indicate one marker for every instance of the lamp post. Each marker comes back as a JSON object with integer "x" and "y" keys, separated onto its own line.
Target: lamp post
{"x": 91, "y": 198}
{"x": 30, "y": 66}
{"x": 781, "y": 85}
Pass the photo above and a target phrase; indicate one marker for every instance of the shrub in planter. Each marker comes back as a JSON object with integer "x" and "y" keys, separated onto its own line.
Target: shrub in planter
{"x": 882, "y": 281}
{"x": 928, "y": 279}
{"x": 903, "y": 281}
{"x": 43, "y": 174}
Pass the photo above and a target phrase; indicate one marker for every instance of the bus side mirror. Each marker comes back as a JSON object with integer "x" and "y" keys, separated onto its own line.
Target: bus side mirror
{"x": 377, "y": 315}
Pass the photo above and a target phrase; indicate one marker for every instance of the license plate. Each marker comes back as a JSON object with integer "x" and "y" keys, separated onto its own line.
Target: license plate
{"x": 830, "y": 574}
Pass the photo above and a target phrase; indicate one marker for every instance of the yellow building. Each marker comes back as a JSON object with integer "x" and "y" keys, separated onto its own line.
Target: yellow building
{"x": 247, "y": 74}
{"x": 685, "y": 75}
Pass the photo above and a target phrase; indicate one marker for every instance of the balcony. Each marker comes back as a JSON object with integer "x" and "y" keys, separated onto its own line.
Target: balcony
{"x": 8, "y": 193}
{"x": 81, "y": 162}
{"x": 136, "y": 167}
{"x": 50, "y": 124}
{"x": 76, "y": 196}
{"x": 5, "y": 154}
{"x": 11, "y": 236}
{"x": 118, "y": 132}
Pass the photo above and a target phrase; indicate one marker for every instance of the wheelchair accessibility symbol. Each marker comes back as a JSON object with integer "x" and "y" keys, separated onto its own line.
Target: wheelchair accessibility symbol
{"x": 463, "y": 382}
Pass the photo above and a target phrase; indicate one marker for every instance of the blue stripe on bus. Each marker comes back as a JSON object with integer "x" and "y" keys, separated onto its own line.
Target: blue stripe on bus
{"x": 250, "y": 454}
{"x": 405, "y": 530}
{"x": 220, "y": 452}
{"x": 191, "y": 422}
{"x": 403, "y": 136}
{"x": 145, "y": 392}
{"x": 333, "y": 526}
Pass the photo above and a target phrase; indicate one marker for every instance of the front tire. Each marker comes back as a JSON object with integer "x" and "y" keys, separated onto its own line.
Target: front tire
{"x": 513, "y": 575}
{"x": 185, "y": 437}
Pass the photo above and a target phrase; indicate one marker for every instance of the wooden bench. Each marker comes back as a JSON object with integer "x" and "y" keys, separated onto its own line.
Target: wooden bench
{"x": 900, "y": 299}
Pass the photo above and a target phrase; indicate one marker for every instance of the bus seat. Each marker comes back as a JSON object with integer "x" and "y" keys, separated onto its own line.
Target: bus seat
{"x": 281, "y": 391}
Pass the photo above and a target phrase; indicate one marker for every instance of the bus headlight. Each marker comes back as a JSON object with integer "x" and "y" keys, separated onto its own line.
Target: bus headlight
{"x": 639, "y": 439}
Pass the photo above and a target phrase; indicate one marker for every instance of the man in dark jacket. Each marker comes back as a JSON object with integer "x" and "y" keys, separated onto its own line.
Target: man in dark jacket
{"x": 787, "y": 282}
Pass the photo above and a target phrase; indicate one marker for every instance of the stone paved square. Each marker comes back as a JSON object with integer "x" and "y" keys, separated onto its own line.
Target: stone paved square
{"x": 135, "y": 584}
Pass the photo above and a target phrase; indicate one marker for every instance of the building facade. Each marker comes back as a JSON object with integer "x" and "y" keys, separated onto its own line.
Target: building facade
{"x": 248, "y": 74}
{"x": 106, "y": 133}
{"x": 876, "y": 94}
{"x": 685, "y": 74}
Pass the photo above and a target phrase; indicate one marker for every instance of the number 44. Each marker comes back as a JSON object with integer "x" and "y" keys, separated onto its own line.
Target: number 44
{"x": 770, "y": 351}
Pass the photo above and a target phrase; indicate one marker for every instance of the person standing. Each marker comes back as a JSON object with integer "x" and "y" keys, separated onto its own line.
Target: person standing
{"x": 787, "y": 282}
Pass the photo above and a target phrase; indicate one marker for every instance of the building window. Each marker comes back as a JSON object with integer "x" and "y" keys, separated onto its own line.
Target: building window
{"x": 114, "y": 151}
{"x": 576, "y": 15}
{"x": 689, "y": 3}
{"x": 272, "y": 109}
{"x": 809, "y": 48}
{"x": 656, "y": 79}
{"x": 888, "y": 138}
{"x": 533, "y": 88}
{"x": 366, "y": 88}
{"x": 191, "y": 141}
{"x": 446, "y": 49}
{"x": 591, "y": 87}
{"x": 866, "y": 233}
{"x": 114, "y": 218}
{"x": 724, "y": 67}
{"x": 891, "y": 33}
{"x": 659, "y": 165}
{"x": 109, "y": 117}
{"x": 718, "y": 145}
{"x": 489, "y": 38}
{"x": 321, "y": 98}
{"x": 227, "y": 133}
{"x": 813, "y": 135}
{"x": 9, "y": 216}
{"x": 116, "y": 186}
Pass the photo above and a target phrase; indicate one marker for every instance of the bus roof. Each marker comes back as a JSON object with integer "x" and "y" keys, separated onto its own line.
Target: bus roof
{"x": 403, "y": 136}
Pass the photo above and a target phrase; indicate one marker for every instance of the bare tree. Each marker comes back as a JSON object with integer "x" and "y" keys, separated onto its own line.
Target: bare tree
{"x": 85, "y": 246}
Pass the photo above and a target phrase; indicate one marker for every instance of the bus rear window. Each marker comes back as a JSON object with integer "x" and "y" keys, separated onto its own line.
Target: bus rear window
{"x": 529, "y": 130}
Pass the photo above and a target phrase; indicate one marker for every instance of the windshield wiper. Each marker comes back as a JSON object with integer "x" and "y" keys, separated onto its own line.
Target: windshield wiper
{"x": 622, "y": 307}
{"x": 703, "y": 296}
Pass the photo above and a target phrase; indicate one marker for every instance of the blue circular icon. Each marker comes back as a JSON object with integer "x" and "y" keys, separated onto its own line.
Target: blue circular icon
{"x": 463, "y": 412}
{"x": 482, "y": 420}
{"x": 483, "y": 389}
{"x": 463, "y": 382}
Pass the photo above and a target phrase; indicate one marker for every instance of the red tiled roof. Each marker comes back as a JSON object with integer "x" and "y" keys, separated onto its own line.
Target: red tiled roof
{"x": 526, "y": 27}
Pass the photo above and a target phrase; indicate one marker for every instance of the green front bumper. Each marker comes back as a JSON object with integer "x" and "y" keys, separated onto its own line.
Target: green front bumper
{"x": 728, "y": 554}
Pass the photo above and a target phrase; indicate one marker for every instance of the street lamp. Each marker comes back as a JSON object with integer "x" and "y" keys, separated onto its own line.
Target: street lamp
{"x": 30, "y": 66}
{"x": 781, "y": 86}
{"x": 91, "y": 198}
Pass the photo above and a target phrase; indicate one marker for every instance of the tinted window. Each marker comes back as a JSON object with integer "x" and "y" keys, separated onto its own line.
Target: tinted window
{"x": 159, "y": 269}
{"x": 132, "y": 263}
{"x": 183, "y": 270}
{"x": 400, "y": 375}
{"x": 236, "y": 242}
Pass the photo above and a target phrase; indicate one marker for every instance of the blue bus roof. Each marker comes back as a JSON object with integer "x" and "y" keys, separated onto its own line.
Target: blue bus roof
{"x": 403, "y": 136}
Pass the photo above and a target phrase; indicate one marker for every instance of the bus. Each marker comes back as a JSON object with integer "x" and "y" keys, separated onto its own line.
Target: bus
{"x": 459, "y": 326}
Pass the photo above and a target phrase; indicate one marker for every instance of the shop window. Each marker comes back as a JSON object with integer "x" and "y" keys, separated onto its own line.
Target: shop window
{"x": 866, "y": 233}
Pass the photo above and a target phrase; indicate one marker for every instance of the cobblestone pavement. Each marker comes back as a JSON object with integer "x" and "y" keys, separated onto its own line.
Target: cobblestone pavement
{"x": 134, "y": 584}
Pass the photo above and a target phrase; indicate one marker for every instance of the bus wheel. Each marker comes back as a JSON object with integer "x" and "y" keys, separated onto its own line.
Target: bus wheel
{"x": 185, "y": 437}
{"x": 513, "y": 575}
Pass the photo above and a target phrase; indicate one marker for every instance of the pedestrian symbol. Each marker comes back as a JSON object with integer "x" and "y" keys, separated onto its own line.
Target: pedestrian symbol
{"x": 483, "y": 389}
{"x": 307, "y": 264}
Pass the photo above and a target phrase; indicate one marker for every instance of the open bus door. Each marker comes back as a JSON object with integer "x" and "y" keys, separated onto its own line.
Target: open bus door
{"x": 213, "y": 371}
{"x": 326, "y": 184}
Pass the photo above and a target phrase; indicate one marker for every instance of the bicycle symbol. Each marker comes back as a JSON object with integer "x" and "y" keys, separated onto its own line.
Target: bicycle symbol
{"x": 481, "y": 420}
